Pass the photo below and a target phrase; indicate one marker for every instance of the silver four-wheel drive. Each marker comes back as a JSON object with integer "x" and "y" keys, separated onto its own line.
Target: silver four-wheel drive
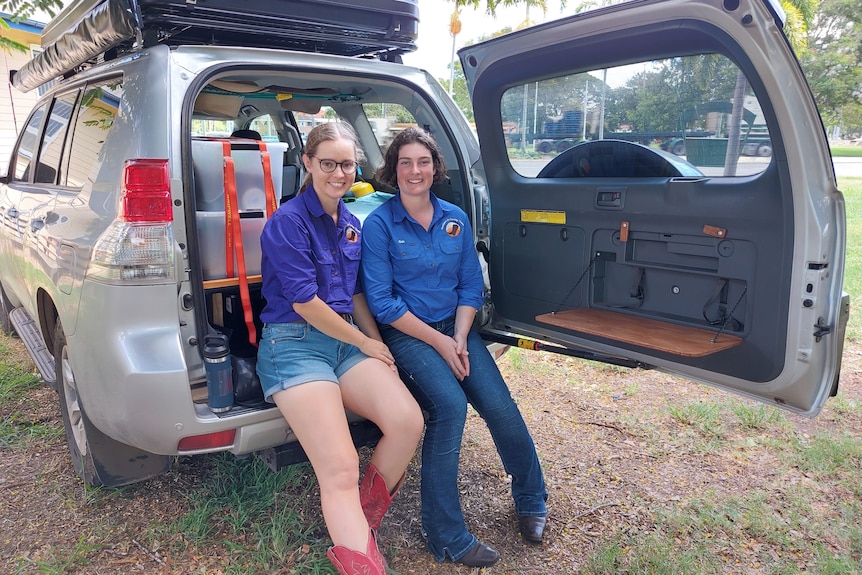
{"x": 169, "y": 130}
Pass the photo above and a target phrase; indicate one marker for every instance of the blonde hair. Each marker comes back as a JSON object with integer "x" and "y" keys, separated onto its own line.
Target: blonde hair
{"x": 326, "y": 133}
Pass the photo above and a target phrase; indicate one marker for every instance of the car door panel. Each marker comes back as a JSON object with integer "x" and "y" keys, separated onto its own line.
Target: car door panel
{"x": 731, "y": 276}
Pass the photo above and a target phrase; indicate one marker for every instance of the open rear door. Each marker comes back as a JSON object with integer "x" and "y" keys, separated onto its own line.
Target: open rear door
{"x": 661, "y": 189}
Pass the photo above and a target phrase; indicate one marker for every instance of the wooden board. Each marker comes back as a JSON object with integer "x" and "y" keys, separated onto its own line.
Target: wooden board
{"x": 228, "y": 282}
{"x": 644, "y": 332}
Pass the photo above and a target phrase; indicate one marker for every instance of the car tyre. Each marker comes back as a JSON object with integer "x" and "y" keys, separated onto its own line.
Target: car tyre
{"x": 98, "y": 459}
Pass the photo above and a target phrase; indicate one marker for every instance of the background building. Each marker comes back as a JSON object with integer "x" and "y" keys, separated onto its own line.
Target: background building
{"x": 15, "y": 105}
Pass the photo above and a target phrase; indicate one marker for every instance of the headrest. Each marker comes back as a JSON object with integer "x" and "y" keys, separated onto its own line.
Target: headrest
{"x": 247, "y": 134}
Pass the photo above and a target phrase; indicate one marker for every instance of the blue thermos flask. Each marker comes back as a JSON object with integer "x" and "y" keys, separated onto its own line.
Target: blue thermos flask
{"x": 219, "y": 372}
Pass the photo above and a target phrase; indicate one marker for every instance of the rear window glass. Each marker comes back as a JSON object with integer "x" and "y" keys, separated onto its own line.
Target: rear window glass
{"x": 98, "y": 110}
{"x": 685, "y": 116}
{"x": 27, "y": 144}
{"x": 55, "y": 135}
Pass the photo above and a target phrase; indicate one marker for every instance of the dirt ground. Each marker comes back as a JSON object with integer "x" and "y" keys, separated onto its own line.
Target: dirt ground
{"x": 611, "y": 451}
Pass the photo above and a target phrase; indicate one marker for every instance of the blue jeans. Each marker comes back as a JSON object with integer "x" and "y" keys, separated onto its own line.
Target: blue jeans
{"x": 444, "y": 399}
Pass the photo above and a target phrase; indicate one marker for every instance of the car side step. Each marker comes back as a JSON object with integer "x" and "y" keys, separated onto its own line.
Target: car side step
{"x": 30, "y": 334}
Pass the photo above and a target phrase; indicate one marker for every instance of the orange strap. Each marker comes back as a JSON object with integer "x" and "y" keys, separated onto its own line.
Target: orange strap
{"x": 271, "y": 203}
{"x": 233, "y": 241}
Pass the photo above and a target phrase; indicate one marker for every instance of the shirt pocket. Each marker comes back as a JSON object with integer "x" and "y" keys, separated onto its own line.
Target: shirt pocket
{"x": 352, "y": 255}
{"x": 406, "y": 251}
{"x": 451, "y": 252}
{"x": 324, "y": 262}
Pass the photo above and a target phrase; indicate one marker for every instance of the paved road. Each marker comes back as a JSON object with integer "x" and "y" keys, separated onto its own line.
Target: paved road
{"x": 848, "y": 167}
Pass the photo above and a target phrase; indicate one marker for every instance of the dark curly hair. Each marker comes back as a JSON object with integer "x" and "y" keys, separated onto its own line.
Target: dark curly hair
{"x": 412, "y": 135}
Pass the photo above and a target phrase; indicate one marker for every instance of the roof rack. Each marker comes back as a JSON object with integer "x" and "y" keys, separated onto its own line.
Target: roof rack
{"x": 88, "y": 31}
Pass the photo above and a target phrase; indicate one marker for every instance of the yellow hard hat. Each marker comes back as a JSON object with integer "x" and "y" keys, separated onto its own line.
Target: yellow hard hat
{"x": 360, "y": 189}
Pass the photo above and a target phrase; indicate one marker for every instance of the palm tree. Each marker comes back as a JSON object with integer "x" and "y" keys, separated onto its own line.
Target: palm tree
{"x": 800, "y": 14}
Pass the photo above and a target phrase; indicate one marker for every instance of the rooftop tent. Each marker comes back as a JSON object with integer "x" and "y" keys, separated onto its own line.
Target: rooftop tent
{"x": 88, "y": 29}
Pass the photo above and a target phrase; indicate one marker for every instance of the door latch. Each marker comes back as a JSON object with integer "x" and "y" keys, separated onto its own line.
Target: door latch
{"x": 821, "y": 329}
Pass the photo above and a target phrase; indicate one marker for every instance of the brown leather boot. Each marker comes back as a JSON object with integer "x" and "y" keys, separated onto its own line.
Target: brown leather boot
{"x": 375, "y": 497}
{"x": 350, "y": 562}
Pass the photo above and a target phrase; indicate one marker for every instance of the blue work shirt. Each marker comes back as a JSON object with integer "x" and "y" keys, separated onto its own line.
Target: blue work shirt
{"x": 429, "y": 272}
{"x": 304, "y": 253}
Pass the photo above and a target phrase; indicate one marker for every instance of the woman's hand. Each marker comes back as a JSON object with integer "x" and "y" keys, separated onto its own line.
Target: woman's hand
{"x": 378, "y": 350}
{"x": 454, "y": 354}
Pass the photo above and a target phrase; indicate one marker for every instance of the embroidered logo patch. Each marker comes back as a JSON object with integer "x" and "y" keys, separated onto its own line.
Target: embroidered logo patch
{"x": 453, "y": 227}
{"x": 351, "y": 234}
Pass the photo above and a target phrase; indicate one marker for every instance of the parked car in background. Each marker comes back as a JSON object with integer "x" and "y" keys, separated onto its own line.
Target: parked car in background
{"x": 123, "y": 218}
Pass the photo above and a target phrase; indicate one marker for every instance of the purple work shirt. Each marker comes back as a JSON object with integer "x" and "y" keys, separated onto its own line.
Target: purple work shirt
{"x": 304, "y": 253}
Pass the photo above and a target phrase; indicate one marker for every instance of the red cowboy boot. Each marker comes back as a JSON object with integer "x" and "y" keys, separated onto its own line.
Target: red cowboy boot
{"x": 350, "y": 562}
{"x": 375, "y": 497}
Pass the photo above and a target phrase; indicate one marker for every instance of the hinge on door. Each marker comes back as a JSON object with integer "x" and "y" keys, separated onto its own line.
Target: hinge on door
{"x": 822, "y": 329}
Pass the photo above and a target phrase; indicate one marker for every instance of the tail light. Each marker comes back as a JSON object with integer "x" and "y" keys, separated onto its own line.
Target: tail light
{"x": 146, "y": 195}
{"x": 138, "y": 247}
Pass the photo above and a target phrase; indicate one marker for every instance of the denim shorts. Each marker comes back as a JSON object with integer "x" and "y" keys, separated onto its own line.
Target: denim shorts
{"x": 294, "y": 353}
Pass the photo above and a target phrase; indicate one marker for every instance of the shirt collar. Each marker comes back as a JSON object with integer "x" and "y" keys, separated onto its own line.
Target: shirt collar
{"x": 315, "y": 208}
{"x": 399, "y": 212}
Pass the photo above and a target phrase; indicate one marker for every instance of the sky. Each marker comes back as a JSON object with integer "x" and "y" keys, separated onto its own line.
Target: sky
{"x": 435, "y": 43}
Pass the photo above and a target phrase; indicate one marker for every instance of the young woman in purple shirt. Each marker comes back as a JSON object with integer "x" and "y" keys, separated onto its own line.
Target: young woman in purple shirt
{"x": 321, "y": 352}
{"x": 423, "y": 283}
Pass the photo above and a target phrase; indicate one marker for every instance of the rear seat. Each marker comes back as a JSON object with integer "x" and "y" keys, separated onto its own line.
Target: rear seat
{"x": 292, "y": 172}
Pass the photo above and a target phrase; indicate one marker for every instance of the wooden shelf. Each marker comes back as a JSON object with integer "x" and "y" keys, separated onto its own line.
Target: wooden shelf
{"x": 228, "y": 282}
{"x": 644, "y": 332}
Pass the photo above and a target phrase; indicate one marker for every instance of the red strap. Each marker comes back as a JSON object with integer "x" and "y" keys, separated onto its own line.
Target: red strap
{"x": 271, "y": 202}
{"x": 233, "y": 242}
{"x": 229, "y": 208}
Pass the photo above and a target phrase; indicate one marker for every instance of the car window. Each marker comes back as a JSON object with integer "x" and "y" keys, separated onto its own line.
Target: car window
{"x": 266, "y": 126}
{"x": 96, "y": 114}
{"x": 684, "y": 116}
{"x": 52, "y": 141}
{"x": 387, "y": 120}
{"x": 27, "y": 144}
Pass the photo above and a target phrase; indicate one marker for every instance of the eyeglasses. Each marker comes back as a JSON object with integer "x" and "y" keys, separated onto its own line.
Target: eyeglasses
{"x": 328, "y": 166}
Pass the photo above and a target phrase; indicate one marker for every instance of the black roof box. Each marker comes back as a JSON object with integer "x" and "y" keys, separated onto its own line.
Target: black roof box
{"x": 88, "y": 29}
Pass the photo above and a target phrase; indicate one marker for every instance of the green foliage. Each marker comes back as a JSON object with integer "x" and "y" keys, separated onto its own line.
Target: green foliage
{"x": 60, "y": 561}
{"x": 756, "y": 416}
{"x": 832, "y": 60}
{"x": 261, "y": 514}
{"x": 459, "y": 91}
{"x": 852, "y": 189}
{"x": 704, "y": 417}
{"x": 23, "y": 9}
{"x": 18, "y": 428}
{"x": 492, "y": 5}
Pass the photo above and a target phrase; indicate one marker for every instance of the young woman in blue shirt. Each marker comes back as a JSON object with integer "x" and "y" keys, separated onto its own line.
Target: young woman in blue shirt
{"x": 424, "y": 284}
{"x": 321, "y": 352}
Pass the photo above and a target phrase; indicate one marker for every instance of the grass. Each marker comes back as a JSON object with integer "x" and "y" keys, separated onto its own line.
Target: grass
{"x": 852, "y": 189}
{"x": 259, "y": 514}
{"x": 847, "y": 151}
{"x": 18, "y": 428}
{"x": 60, "y": 561}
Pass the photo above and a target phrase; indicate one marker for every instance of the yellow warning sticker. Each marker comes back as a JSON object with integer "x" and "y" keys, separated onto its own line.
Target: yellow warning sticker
{"x": 543, "y": 216}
